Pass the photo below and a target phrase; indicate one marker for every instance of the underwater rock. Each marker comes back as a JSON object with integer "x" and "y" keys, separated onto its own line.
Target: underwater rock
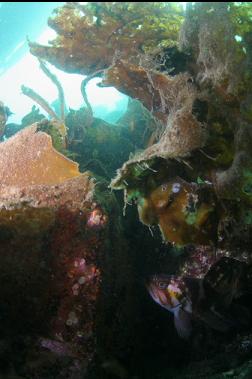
{"x": 52, "y": 231}
{"x": 208, "y": 99}
{"x": 215, "y": 74}
{"x": 216, "y": 63}
{"x": 236, "y": 181}
{"x": 75, "y": 244}
{"x": 199, "y": 261}
{"x": 62, "y": 257}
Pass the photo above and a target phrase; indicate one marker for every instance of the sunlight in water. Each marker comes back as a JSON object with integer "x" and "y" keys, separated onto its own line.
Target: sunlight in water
{"x": 28, "y": 73}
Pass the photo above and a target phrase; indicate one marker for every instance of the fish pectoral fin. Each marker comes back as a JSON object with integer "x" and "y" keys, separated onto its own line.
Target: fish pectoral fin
{"x": 182, "y": 322}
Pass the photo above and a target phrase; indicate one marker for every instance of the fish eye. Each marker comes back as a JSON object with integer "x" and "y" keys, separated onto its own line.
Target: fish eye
{"x": 162, "y": 285}
{"x": 164, "y": 187}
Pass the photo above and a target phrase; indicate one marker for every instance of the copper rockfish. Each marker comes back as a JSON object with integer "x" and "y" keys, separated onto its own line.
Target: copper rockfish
{"x": 209, "y": 299}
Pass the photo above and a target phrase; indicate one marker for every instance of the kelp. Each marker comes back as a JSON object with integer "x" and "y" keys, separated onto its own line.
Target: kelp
{"x": 91, "y": 35}
{"x": 58, "y": 132}
{"x": 192, "y": 177}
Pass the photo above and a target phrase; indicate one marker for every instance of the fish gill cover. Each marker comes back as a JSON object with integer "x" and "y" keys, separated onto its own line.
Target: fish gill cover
{"x": 73, "y": 269}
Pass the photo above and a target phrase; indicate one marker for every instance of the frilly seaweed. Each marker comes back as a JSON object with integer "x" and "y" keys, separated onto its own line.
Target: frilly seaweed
{"x": 91, "y": 35}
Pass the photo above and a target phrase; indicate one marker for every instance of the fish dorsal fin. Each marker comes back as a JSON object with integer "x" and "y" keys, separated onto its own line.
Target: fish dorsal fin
{"x": 182, "y": 322}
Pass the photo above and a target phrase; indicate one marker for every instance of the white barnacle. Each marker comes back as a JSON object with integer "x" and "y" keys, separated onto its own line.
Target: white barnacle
{"x": 72, "y": 319}
{"x": 151, "y": 232}
{"x": 82, "y": 280}
{"x": 176, "y": 187}
{"x": 75, "y": 289}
